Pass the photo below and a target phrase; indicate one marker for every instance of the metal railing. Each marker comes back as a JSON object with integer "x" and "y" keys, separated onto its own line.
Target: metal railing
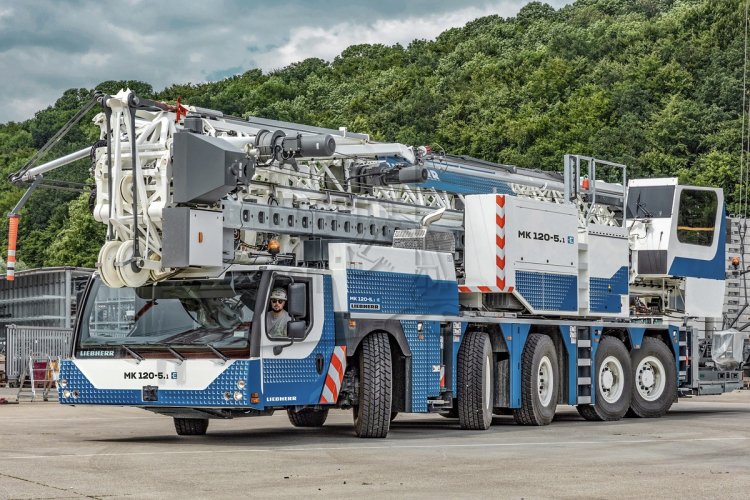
{"x": 25, "y": 341}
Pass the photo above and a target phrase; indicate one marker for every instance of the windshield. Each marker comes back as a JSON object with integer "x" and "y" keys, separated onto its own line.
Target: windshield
{"x": 652, "y": 202}
{"x": 195, "y": 313}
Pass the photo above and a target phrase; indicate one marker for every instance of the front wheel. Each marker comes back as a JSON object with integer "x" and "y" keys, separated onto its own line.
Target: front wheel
{"x": 614, "y": 382}
{"x": 474, "y": 382}
{"x": 307, "y": 417}
{"x": 190, "y": 426}
{"x": 539, "y": 382}
{"x": 655, "y": 379}
{"x": 372, "y": 416}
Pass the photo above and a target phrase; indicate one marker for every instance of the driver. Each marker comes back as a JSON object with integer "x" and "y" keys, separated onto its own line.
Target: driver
{"x": 277, "y": 317}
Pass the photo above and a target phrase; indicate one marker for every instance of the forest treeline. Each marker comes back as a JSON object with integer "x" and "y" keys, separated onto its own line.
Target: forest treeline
{"x": 654, "y": 84}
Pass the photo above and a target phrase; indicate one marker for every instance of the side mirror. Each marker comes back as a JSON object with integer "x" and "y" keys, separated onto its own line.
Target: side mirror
{"x": 297, "y": 300}
{"x": 295, "y": 330}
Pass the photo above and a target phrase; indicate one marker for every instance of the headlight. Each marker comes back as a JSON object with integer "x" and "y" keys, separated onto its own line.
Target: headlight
{"x": 227, "y": 395}
{"x": 66, "y": 393}
{"x": 63, "y": 383}
{"x": 240, "y": 384}
{"x": 237, "y": 395}
{"x": 75, "y": 394}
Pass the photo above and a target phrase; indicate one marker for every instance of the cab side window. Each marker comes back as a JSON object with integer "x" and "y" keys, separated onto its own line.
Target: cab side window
{"x": 283, "y": 282}
{"x": 696, "y": 217}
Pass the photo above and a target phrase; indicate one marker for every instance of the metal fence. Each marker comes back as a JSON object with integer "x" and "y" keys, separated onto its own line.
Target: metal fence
{"x": 24, "y": 341}
{"x": 41, "y": 297}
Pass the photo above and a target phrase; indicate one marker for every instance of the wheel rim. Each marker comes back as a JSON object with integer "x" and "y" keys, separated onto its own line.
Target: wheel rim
{"x": 611, "y": 378}
{"x": 650, "y": 378}
{"x": 487, "y": 384}
{"x": 545, "y": 381}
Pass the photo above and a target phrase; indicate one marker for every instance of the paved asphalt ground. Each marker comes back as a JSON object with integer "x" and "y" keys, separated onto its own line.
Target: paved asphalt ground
{"x": 700, "y": 449}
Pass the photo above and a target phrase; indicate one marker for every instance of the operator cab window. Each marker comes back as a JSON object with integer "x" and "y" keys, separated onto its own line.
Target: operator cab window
{"x": 284, "y": 282}
{"x": 696, "y": 217}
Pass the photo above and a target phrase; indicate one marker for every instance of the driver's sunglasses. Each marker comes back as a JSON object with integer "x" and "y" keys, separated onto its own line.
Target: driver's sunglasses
{"x": 277, "y": 301}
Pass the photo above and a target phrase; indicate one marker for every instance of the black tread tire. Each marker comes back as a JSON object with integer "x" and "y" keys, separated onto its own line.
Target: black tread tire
{"x": 190, "y": 426}
{"x": 307, "y": 417}
{"x": 639, "y": 407}
{"x": 531, "y": 411}
{"x": 372, "y": 417}
{"x": 474, "y": 412}
{"x": 602, "y": 411}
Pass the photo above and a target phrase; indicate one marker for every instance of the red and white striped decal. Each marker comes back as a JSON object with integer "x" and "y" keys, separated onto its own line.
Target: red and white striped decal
{"x": 499, "y": 253}
{"x": 335, "y": 376}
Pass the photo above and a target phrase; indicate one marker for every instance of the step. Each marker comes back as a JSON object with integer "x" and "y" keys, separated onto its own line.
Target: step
{"x": 584, "y": 362}
{"x": 584, "y": 343}
{"x": 586, "y": 381}
{"x": 584, "y": 400}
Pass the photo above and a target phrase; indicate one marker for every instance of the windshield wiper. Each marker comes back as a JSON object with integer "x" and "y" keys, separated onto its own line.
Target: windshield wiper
{"x": 642, "y": 207}
{"x": 218, "y": 353}
{"x": 125, "y": 348}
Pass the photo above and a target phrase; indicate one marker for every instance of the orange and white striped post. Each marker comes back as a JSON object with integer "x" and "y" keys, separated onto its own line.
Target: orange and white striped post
{"x": 12, "y": 238}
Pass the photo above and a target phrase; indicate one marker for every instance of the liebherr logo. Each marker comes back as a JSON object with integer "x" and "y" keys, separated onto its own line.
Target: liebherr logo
{"x": 282, "y": 398}
{"x": 96, "y": 353}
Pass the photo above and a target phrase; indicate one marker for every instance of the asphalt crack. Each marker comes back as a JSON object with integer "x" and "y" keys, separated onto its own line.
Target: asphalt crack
{"x": 82, "y": 495}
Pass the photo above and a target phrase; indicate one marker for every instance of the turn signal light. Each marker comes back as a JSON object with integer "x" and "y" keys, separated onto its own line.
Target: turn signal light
{"x": 352, "y": 323}
{"x": 255, "y": 401}
{"x": 254, "y": 395}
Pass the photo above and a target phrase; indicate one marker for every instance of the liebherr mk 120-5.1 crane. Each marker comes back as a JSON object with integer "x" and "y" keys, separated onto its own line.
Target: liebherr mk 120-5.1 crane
{"x": 416, "y": 281}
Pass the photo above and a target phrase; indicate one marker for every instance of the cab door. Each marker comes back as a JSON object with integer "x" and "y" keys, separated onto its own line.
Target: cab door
{"x": 294, "y": 372}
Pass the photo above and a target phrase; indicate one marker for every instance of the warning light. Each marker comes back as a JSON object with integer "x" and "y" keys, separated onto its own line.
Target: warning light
{"x": 736, "y": 262}
{"x": 274, "y": 247}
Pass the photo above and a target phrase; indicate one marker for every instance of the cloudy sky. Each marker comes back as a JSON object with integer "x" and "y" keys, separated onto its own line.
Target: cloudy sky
{"x": 49, "y": 46}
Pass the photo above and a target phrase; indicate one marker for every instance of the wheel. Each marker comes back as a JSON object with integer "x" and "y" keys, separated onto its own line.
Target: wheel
{"x": 654, "y": 379}
{"x": 307, "y": 417}
{"x": 539, "y": 385}
{"x": 474, "y": 382}
{"x": 394, "y": 414}
{"x": 614, "y": 382}
{"x": 372, "y": 416}
{"x": 190, "y": 426}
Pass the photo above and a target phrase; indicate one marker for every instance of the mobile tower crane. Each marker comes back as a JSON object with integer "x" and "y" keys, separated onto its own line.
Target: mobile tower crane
{"x": 417, "y": 281}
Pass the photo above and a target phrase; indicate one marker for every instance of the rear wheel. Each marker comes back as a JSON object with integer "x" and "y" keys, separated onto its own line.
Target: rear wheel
{"x": 654, "y": 379}
{"x": 614, "y": 382}
{"x": 190, "y": 426}
{"x": 307, "y": 417}
{"x": 474, "y": 382}
{"x": 372, "y": 416}
{"x": 539, "y": 382}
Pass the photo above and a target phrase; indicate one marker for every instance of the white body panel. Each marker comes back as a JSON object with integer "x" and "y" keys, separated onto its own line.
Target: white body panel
{"x": 192, "y": 374}
{"x": 704, "y": 298}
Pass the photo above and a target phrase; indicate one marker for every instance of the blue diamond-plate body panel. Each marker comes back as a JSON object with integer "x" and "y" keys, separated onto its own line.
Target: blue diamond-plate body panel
{"x": 212, "y": 396}
{"x": 425, "y": 354}
{"x": 401, "y": 293}
{"x": 548, "y": 292}
{"x": 604, "y": 293}
{"x": 299, "y": 377}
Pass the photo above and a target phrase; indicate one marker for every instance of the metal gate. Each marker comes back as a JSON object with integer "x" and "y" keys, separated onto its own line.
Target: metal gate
{"x": 24, "y": 341}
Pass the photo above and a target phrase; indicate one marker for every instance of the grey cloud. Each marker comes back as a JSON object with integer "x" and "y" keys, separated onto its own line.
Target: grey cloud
{"x": 49, "y": 46}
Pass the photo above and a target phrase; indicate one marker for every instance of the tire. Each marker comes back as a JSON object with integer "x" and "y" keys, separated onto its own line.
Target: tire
{"x": 307, "y": 417}
{"x": 614, "y": 382}
{"x": 474, "y": 382}
{"x": 539, "y": 382}
{"x": 654, "y": 379}
{"x": 190, "y": 426}
{"x": 372, "y": 416}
